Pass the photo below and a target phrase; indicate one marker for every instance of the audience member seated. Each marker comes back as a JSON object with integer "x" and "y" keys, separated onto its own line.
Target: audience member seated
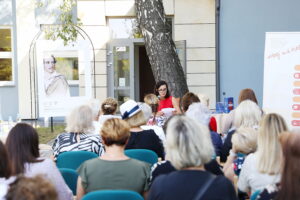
{"x": 146, "y": 109}
{"x": 23, "y": 150}
{"x": 153, "y": 102}
{"x": 113, "y": 170}
{"x": 161, "y": 90}
{"x": 213, "y": 122}
{"x": 247, "y": 114}
{"x": 201, "y": 114}
{"x": 6, "y": 177}
{"x": 139, "y": 138}
{"x": 35, "y": 188}
{"x": 108, "y": 110}
{"x": 288, "y": 187}
{"x": 189, "y": 147}
{"x": 244, "y": 142}
{"x": 228, "y": 122}
{"x": 263, "y": 167}
{"x": 79, "y": 135}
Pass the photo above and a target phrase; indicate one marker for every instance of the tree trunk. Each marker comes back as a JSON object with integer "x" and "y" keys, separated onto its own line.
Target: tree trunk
{"x": 160, "y": 46}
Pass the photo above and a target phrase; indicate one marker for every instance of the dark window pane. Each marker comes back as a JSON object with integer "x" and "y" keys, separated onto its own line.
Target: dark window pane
{"x": 5, "y": 69}
{"x": 5, "y": 40}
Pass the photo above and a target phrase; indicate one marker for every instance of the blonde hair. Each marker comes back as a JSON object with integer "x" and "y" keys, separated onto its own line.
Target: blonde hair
{"x": 153, "y": 101}
{"x": 115, "y": 131}
{"x": 269, "y": 151}
{"x": 136, "y": 120}
{"x": 247, "y": 114}
{"x": 188, "y": 143}
{"x": 80, "y": 120}
{"x": 245, "y": 140}
{"x": 109, "y": 106}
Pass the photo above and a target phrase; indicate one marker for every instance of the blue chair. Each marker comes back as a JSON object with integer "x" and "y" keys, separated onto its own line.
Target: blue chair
{"x": 113, "y": 195}
{"x": 73, "y": 159}
{"x": 70, "y": 176}
{"x": 142, "y": 155}
{"x": 255, "y": 194}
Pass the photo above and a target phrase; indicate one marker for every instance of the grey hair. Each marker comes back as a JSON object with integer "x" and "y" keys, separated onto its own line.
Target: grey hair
{"x": 188, "y": 143}
{"x": 247, "y": 114}
{"x": 80, "y": 120}
{"x": 199, "y": 112}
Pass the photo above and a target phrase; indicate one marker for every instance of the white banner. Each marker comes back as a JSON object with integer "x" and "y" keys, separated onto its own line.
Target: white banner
{"x": 58, "y": 73}
{"x": 282, "y": 76}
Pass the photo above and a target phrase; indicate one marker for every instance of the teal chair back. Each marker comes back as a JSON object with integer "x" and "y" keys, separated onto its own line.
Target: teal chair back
{"x": 70, "y": 176}
{"x": 112, "y": 195}
{"x": 255, "y": 194}
{"x": 143, "y": 155}
{"x": 73, "y": 159}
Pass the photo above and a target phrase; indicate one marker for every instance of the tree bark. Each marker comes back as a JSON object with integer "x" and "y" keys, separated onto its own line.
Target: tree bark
{"x": 160, "y": 46}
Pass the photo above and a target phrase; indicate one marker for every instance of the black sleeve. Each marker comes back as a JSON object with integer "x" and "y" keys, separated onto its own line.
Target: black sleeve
{"x": 158, "y": 146}
{"x": 213, "y": 167}
{"x": 226, "y": 147}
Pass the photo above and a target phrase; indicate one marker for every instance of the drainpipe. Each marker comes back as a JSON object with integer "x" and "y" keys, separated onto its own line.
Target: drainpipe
{"x": 217, "y": 11}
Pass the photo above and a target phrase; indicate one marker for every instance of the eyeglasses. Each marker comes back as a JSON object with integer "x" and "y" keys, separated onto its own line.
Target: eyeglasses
{"x": 162, "y": 90}
{"x": 49, "y": 62}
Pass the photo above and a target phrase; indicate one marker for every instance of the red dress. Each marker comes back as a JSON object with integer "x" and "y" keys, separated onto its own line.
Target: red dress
{"x": 166, "y": 103}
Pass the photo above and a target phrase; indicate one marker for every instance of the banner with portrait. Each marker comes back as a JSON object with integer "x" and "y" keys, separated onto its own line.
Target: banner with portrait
{"x": 63, "y": 76}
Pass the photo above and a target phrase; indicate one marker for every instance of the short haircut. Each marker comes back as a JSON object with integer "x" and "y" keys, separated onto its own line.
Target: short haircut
{"x": 188, "y": 143}
{"x": 115, "y": 131}
{"x": 153, "y": 101}
{"x": 269, "y": 154}
{"x": 80, "y": 120}
{"x": 5, "y": 167}
{"x": 247, "y": 94}
{"x": 136, "y": 120}
{"x": 245, "y": 140}
{"x": 22, "y": 146}
{"x": 188, "y": 99}
{"x": 157, "y": 86}
{"x": 109, "y": 106}
{"x": 247, "y": 114}
{"x": 25, "y": 188}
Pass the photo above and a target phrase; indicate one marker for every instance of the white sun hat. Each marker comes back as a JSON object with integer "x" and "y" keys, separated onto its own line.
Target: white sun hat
{"x": 129, "y": 108}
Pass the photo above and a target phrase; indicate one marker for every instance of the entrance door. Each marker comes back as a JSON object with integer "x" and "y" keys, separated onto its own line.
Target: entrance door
{"x": 121, "y": 70}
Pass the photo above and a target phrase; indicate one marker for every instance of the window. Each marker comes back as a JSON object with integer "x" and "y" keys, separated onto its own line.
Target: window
{"x": 6, "y": 62}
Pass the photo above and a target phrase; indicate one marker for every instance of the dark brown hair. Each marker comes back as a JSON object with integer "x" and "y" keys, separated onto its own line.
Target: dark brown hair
{"x": 22, "y": 146}
{"x": 24, "y": 188}
{"x": 157, "y": 86}
{"x": 109, "y": 106}
{"x": 188, "y": 99}
{"x": 290, "y": 177}
{"x": 5, "y": 167}
{"x": 247, "y": 94}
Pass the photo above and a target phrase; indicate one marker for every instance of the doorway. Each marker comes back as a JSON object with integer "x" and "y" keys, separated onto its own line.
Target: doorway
{"x": 146, "y": 78}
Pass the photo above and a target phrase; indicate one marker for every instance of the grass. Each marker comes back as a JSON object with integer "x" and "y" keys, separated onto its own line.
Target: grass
{"x": 45, "y": 134}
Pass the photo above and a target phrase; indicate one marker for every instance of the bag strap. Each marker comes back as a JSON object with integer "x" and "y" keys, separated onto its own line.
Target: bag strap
{"x": 204, "y": 188}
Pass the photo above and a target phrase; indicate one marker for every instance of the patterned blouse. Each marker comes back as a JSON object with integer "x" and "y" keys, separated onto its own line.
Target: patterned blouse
{"x": 68, "y": 142}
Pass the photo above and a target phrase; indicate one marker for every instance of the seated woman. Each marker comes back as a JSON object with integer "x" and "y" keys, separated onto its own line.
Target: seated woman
{"x": 108, "y": 110}
{"x": 153, "y": 102}
{"x": 161, "y": 90}
{"x": 139, "y": 138}
{"x": 189, "y": 147}
{"x": 22, "y": 146}
{"x": 263, "y": 167}
{"x": 288, "y": 187}
{"x": 244, "y": 142}
{"x": 113, "y": 170}
{"x": 6, "y": 177}
{"x": 79, "y": 135}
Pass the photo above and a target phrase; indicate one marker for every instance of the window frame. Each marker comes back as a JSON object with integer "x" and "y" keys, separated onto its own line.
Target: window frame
{"x": 9, "y": 55}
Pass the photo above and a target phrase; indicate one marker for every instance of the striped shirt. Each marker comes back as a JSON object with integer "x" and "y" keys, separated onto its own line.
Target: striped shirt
{"x": 69, "y": 142}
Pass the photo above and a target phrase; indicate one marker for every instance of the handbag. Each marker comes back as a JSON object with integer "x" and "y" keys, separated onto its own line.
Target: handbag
{"x": 203, "y": 189}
